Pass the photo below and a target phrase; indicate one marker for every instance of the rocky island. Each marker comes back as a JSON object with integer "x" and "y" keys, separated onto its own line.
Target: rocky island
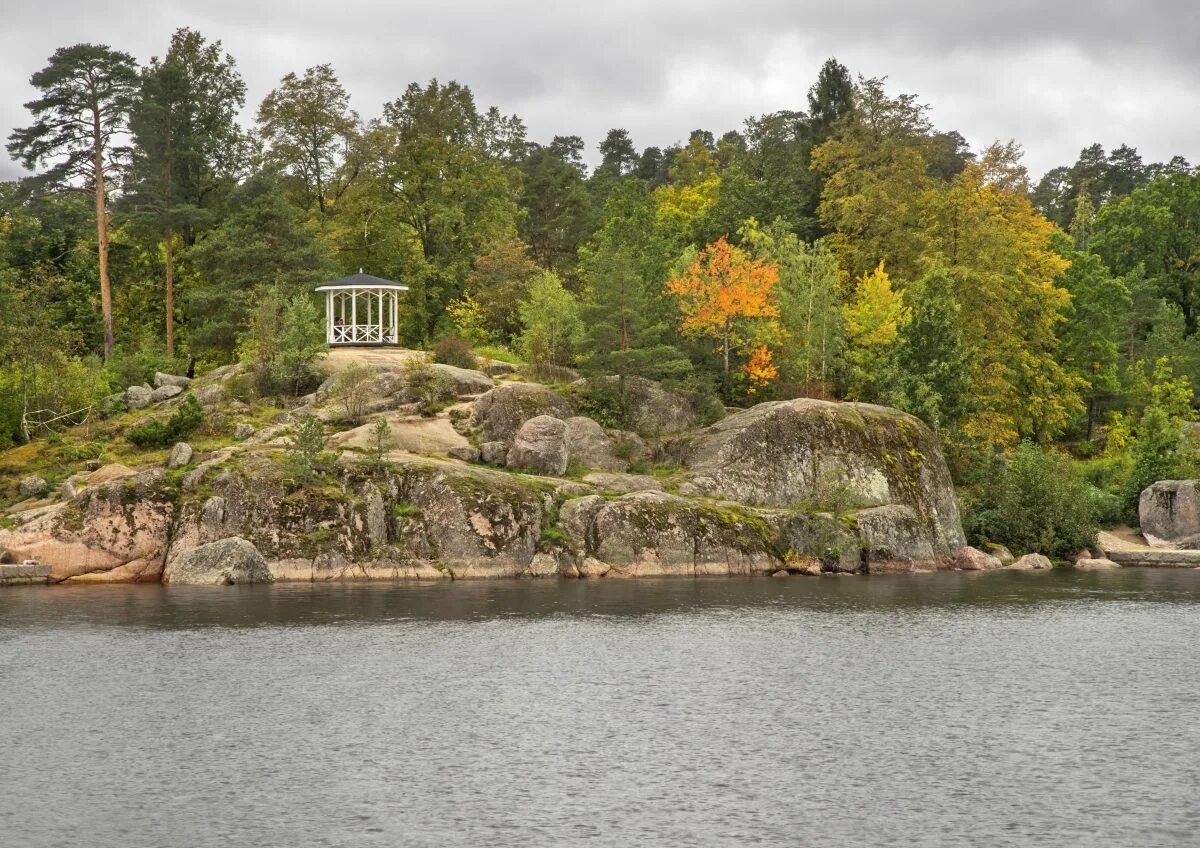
{"x": 498, "y": 477}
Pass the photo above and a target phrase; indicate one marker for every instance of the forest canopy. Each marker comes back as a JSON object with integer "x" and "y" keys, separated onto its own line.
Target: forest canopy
{"x": 845, "y": 248}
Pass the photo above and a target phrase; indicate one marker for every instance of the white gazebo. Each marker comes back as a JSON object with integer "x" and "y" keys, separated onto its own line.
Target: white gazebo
{"x": 362, "y": 310}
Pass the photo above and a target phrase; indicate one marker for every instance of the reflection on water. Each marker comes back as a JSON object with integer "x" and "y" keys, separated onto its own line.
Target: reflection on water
{"x": 948, "y": 709}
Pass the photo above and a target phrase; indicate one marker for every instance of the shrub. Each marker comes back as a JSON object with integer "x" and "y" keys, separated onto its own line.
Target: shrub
{"x": 428, "y": 388}
{"x": 353, "y": 388}
{"x": 1038, "y": 503}
{"x": 454, "y": 350}
{"x": 306, "y": 447}
{"x": 603, "y": 401}
{"x": 381, "y": 442}
{"x": 160, "y": 434}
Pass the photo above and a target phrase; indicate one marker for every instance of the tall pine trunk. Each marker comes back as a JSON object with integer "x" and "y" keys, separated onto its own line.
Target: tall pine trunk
{"x": 102, "y": 236}
{"x": 170, "y": 298}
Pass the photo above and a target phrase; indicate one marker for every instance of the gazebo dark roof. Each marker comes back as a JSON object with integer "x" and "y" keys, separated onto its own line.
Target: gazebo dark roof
{"x": 361, "y": 281}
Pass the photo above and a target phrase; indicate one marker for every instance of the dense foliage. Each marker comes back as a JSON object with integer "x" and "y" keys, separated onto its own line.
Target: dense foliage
{"x": 844, "y": 249}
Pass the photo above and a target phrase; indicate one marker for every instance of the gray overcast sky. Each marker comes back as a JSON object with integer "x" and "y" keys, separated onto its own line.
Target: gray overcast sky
{"x": 1054, "y": 75}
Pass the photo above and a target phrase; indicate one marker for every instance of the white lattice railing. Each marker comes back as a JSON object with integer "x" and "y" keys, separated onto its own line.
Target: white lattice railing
{"x": 360, "y": 334}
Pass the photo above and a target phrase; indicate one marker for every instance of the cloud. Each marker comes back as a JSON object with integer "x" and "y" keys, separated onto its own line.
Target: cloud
{"x": 1053, "y": 75}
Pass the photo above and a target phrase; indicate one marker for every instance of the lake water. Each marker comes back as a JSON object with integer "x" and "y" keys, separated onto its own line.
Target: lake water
{"x": 1058, "y": 709}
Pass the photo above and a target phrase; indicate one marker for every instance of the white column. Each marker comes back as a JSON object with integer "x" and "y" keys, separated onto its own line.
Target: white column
{"x": 395, "y": 317}
{"x": 329, "y": 317}
{"x": 353, "y": 315}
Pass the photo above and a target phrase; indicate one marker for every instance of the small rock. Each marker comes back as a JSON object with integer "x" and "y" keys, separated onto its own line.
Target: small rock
{"x": 1095, "y": 564}
{"x": 180, "y": 456}
{"x": 1002, "y": 553}
{"x": 495, "y": 369}
{"x": 780, "y": 573}
{"x": 467, "y": 453}
{"x": 968, "y": 558}
{"x": 242, "y": 432}
{"x": 161, "y": 379}
{"x": 33, "y": 486}
{"x": 138, "y": 397}
{"x": 93, "y": 464}
{"x": 543, "y": 565}
{"x": 1031, "y": 562}
{"x": 238, "y": 406}
{"x": 165, "y": 393}
{"x": 493, "y": 453}
{"x": 1084, "y": 554}
{"x": 592, "y": 567}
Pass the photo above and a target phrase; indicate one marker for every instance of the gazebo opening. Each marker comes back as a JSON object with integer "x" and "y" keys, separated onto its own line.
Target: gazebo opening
{"x": 362, "y": 310}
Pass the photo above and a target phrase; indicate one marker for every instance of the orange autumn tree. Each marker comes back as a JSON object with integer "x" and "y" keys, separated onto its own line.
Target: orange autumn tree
{"x": 728, "y": 296}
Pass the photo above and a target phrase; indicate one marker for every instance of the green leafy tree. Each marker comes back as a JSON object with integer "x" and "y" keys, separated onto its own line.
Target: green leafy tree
{"x": 551, "y": 329}
{"x": 308, "y": 128}
{"x": 622, "y": 336}
{"x": 1157, "y": 228}
{"x": 87, "y": 93}
{"x": 1038, "y": 504}
{"x": 556, "y": 204}
{"x": 186, "y": 146}
{"x": 449, "y": 191}
{"x": 809, "y": 305}
{"x": 262, "y": 243}
{"x": 928, "y": 373}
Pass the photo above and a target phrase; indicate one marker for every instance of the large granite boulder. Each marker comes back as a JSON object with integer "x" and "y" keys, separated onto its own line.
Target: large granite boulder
{"x": 180, "y": 456}
{"x": 412, "y": 521}
{"x": 501, "y": 411}
{"x": 1169, "y": 513}
{"x": 161, "y": 379}
{"x": 863, "y": 456}
{"x": 138, "y": 397}
{"x": 466, "y": 381}
{"x": 1031, "y": 562}
{"x": 540, "y": 446}
{"x": 165, "y": 393}
{"x": 590, "y": 446}
{"x": 968, "y": 558}
{"x": 221, "y": 563}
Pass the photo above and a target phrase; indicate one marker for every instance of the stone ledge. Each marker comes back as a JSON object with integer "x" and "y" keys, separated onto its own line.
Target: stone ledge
{"x": 1157, "y": 558}
{"x": 20, "y": 573}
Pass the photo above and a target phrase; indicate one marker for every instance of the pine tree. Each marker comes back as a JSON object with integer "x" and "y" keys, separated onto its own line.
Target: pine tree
{"x": 87, "y": 93}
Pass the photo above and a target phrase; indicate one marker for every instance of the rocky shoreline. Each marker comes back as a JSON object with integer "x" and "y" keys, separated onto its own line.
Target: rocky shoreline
{"x": 512, "y": 480}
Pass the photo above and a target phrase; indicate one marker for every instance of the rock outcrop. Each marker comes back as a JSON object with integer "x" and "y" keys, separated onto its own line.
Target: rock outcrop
{"x": 1169, "y": 513}
{"x": 111, "y": 532}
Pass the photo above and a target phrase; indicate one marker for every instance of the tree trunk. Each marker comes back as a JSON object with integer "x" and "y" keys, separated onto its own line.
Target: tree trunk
{"x": 102, "y": 237}
{"x": 170, "y": 305}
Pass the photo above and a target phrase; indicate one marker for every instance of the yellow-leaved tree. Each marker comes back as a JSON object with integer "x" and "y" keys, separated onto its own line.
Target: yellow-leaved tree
{"x": 874, "y": 317}
{"x": 982, "y": 228}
